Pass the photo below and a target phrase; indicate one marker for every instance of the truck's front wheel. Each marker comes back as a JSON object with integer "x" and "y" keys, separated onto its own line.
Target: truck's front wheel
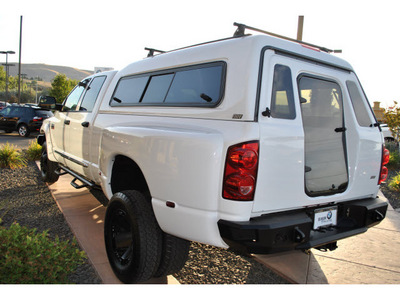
{"x": 132, "y": 237}
{"x": 48, "y": 168}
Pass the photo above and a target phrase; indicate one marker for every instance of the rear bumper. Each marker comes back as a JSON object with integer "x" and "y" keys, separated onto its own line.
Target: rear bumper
{"x": 294, "y": 230}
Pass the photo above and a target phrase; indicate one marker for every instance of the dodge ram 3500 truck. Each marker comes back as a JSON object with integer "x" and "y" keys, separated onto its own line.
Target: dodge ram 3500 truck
{"x": 254, "y": 142}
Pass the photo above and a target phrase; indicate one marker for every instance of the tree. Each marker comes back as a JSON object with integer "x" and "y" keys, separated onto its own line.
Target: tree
{"x": 392, "y": 116}
{"x": 2, "y": 79}
{"x": 61, "y": 86}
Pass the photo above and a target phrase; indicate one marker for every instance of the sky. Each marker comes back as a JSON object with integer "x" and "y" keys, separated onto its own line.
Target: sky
{"x": 89, "y": 34}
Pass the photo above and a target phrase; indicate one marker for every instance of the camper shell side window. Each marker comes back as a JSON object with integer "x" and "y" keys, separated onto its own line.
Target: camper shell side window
{"x": 359, "y": 105}
{"x": 198, "y": 86}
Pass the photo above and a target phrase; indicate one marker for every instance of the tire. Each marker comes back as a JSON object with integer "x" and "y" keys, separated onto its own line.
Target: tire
{"x": 48, "y": 168}
{"x": 132, "y": 236}
{"x": 174, "y": 255}
{"x": 23, "y": 130}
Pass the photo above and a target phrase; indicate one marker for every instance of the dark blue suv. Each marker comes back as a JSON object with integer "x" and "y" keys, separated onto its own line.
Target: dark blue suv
{"x": 23, "y": 119}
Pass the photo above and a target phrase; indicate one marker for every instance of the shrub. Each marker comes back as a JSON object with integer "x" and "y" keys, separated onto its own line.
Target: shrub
{"x": 34, "y": 151}
{"x": 30, "y": 257}
{"x": 11, "y": 158}
{"x": 394, "y": 159}
{"x": 394, "y": 183}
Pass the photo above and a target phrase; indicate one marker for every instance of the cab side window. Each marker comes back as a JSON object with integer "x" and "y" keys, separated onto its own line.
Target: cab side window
{"x": 91, "y": 94}
{"x": 71, "y": 102}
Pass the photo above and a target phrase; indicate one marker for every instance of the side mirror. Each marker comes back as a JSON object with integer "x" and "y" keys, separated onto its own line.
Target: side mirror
{"x": 47, "y": 102}
{"x": 84, "y": 83}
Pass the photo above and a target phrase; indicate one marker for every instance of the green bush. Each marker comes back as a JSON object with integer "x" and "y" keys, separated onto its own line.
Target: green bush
{"x": 30, "y": 257}
{"x": 394, "y": 183}
{"x": 11, "y": 158}
{"x": 34, "y": 151}
{"x": 394, "y": 159}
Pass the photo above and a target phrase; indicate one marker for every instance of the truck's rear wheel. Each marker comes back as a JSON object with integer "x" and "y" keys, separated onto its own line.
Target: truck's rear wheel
{"x": 174, "y": 255}
{"x": 48, "y": 168}
{"x": 132, "y": 236}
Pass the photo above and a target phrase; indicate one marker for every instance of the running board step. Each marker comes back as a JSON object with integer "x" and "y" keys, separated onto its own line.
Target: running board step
{"x": 85, "y": 182}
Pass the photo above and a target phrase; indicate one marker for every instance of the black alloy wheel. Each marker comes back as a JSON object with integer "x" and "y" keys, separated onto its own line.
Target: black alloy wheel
{"x": 132, "y": 236}
{"x": 23, "y": 130}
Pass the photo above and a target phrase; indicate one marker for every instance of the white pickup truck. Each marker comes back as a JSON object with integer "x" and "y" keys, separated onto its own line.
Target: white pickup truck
{"x": 252, "y": 142}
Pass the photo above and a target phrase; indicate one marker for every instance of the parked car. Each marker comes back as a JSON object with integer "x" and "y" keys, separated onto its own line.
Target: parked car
{"x": 387, "y": 134}
{"x": 23, "y": 119}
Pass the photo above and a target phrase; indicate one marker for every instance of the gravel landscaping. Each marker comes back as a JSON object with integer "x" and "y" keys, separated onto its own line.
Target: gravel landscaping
{"x": 25, "y": 199}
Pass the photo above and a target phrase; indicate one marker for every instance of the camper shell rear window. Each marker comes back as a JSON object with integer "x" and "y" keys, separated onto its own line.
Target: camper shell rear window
{"x": 198, "y": 85}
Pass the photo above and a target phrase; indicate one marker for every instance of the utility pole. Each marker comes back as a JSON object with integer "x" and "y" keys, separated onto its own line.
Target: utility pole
{"x": 300, "y": 28}
{"x": 19, "y": 64}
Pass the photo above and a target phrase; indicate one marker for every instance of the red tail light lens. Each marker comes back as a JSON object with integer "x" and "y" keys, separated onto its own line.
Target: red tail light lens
{"x": 384, "y": 171}
{"x": 241, "y": 171}
{"x": 35, "y": 119}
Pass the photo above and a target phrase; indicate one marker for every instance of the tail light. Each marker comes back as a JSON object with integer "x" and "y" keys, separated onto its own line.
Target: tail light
{"x": 35, "y": 119}
{"x": 241, "y": 171}
{"x": 384, "y": 171}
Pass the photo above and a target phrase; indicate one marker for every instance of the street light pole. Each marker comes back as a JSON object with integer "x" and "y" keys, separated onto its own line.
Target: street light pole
{"x": 6, "y": 53}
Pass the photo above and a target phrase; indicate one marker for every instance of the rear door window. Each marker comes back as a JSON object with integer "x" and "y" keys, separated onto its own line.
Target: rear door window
{"x": 324, "y": 136}
{"x": 91, "y": 94}
{"x": 72, "y": 100}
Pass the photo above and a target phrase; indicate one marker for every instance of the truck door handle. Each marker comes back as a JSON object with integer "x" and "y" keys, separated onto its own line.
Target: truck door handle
{"x": 66, "y": 122}
{"x": 340, "y": 129}
{"x": 85, "y": 124}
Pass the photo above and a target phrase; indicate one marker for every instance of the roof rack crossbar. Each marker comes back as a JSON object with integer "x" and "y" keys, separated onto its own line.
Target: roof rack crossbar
{"x": 152, "y": 50}
{"x": 241, "y": 28}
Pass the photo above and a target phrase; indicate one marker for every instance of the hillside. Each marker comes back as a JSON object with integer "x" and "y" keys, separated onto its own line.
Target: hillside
{"x": 47, "y": 72}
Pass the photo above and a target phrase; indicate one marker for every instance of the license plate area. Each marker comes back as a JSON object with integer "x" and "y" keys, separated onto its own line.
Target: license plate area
{"x": 325, "y": 217}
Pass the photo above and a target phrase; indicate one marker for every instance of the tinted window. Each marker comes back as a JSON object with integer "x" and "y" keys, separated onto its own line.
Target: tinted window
{"x": 5, "y": 111}
{"x": 16, "y": 111}
{"x": 324, "y": 136}
{"x": 282, "y": 100}
{"x": 200, "y": 85}
{"x": 359, "y": 105}
{"x": 73, "y": 98}
{"x": 91, "y": 94}
{"x": 157, "y": 89}
{"x": 129, "y": 91}
{"x": 196, "y": 86}
{"x": 43, "y": 113}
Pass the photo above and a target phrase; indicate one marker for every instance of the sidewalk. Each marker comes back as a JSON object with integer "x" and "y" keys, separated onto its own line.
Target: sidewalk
{"x": 369, "y": 258}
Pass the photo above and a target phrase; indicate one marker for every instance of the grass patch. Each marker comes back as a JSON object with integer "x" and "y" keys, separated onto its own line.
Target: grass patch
{"x": 11, "y": 157}
{"x": 34, "y": 151}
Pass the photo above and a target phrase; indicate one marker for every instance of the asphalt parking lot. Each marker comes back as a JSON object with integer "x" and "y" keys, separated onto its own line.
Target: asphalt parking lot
{"x": 15, "y": 139}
